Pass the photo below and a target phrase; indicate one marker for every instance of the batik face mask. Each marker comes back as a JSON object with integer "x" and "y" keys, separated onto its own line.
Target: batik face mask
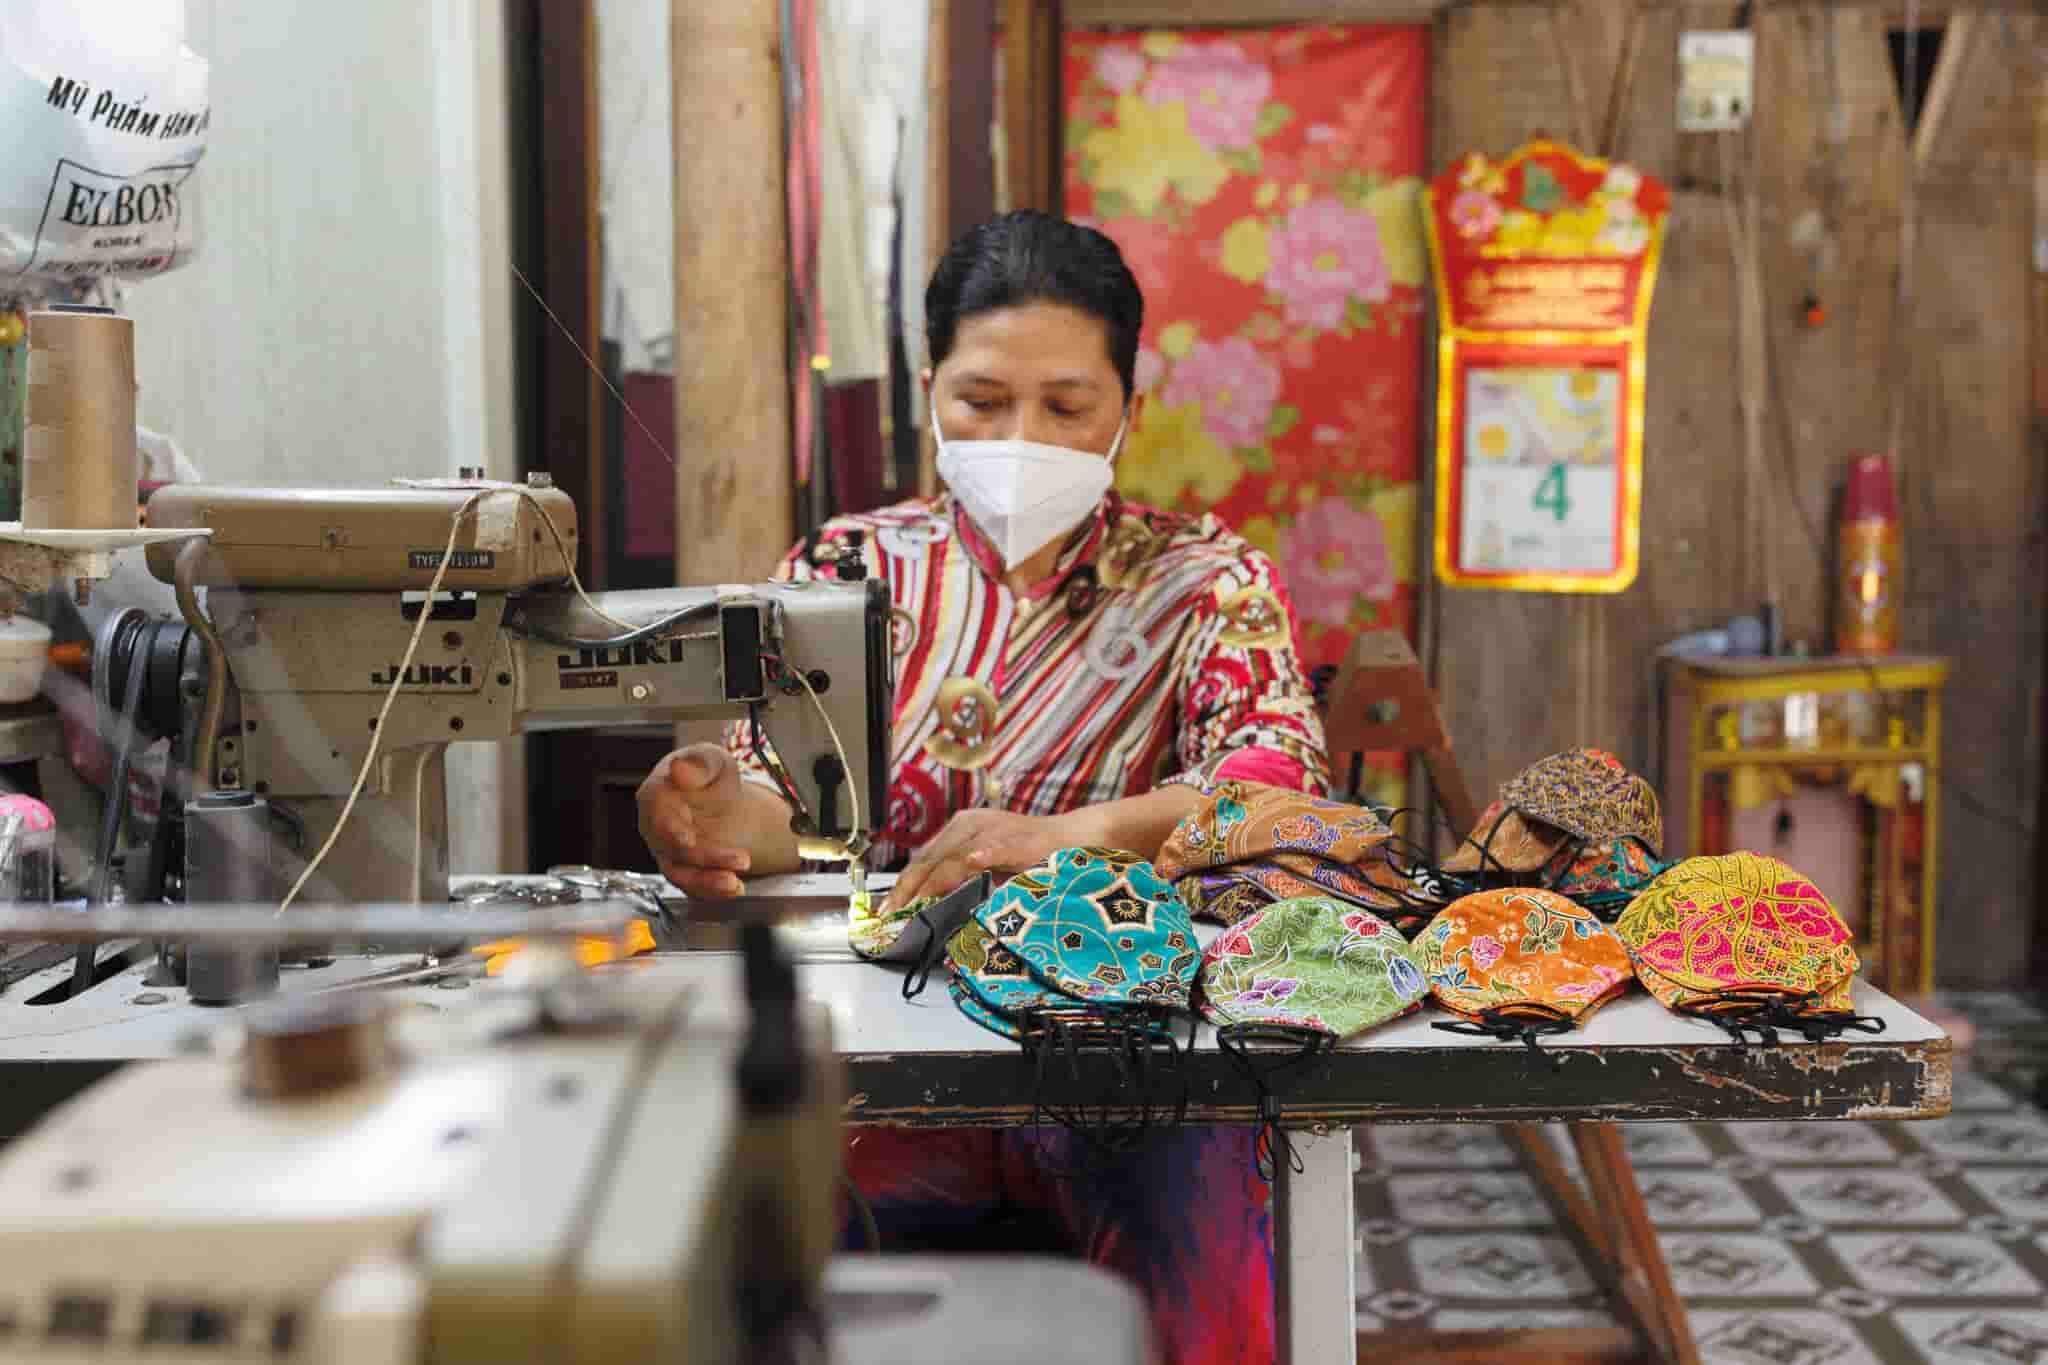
{"x": 1300, "y": 974}
{"x": 1087, "y": 957}
{"x": 1315, "y": 964}
{"x": 1520, "y": 963}
{"x": 1088, "y": 927}
{"x": 1747, "y": 942}
{"x": 1604, "y": 875}
{"x": 1248, "y": 845}
{"x": 1583, "y": 795}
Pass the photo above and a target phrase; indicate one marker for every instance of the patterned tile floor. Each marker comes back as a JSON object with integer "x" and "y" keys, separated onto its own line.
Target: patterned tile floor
{"x": 1792, "y": 1243}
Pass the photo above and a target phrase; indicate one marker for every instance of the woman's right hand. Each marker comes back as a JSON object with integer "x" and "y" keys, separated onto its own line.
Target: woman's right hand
{"x": 694, "y": 816}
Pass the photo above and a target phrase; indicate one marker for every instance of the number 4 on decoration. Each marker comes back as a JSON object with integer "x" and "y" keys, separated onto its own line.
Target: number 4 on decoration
{"x": 1550, "y": 494}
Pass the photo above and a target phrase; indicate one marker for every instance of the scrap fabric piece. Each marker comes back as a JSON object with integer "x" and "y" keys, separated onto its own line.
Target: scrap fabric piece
{"x": 1521, "y": 950}
{"x": 872, "y": 932}
{"x": 1738, "y": 922}
{"x": 1312, "y": 963}
{"x": 1248, "y": 845}
{"x": 1583, "y": 794}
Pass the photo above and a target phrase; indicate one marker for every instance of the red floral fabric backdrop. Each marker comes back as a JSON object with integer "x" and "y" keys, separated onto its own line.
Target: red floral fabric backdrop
{"x": 1265, "y": 186}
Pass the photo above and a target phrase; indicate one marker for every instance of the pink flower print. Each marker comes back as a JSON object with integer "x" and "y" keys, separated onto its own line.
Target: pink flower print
{"x": 1365, "y": 926}
{"x": 1236, "y": 386}
{"x": 1324, "y": 256}
{"x": 1333, "y": 553}
{"x": 1151, "y": 369}
{"x": 1119, "y": 67}
{"x": 1577, "y": 990}
{"x": 1222, "y": 88}
{"x": 1486, "y": 951}
{"x": 1237, "y": 943}
{"x": 1474, "y": 214}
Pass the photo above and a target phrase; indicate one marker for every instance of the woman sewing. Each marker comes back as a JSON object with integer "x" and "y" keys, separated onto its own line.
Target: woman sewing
{"x": 1070, "y": 669}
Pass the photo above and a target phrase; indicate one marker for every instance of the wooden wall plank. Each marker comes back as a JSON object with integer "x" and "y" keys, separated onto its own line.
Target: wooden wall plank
{"x": 1972, "y": 506}
{"x": 1827, "y": 159}
{"x": 1499, "y": 656}
{"x": 735, "y": 486}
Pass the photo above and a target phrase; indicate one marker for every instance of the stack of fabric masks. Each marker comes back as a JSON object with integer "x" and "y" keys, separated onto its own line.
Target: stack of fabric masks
{"x": 1579, "y": 823}
{"x": 1248, "y": 845}
{"x": 1746, "y": 942}
{"x": 1290, "y": 979}
{"x": 1090, "y": 952}
{"x": 1520, "y": 963}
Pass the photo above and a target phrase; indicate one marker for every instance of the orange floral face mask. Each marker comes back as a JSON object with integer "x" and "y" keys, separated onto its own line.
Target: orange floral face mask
{"x": 1520, "y": 962}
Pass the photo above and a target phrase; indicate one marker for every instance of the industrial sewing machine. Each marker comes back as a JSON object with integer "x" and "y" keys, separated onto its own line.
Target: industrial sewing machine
{"x": 573, "y": 1169}
{"x": 314, "y": 594}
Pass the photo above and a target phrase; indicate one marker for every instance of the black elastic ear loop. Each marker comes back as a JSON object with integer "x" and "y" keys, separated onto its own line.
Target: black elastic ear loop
{"x": 1740, "y": 1012}
{"x": 1439, "y": 888}
{"x": 920, "y": 974}
{"x": 1272, "y": 1143}
{"x": 1486, "y": 848}
{"x": 1497, "y": 1021}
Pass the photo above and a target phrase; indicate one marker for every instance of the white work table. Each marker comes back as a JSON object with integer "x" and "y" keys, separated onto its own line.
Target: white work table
{"x": 922, "y": 1063}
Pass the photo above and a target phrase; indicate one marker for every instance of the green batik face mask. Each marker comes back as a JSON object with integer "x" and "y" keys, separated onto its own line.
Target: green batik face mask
{"x": 1286, "y": 982}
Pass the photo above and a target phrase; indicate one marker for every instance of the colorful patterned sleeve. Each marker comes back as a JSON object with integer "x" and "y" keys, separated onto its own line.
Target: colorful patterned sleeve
{"x": 1246, "y": 711}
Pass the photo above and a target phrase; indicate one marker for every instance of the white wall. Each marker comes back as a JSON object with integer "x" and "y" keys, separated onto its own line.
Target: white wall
{"x": 349, "y": 316}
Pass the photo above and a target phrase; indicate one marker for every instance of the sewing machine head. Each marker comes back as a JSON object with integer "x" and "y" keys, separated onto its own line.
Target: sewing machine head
{"x": 315, "y": 596}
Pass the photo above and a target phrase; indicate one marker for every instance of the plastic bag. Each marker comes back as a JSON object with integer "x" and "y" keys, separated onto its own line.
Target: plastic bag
{"x": 106, "y": 116}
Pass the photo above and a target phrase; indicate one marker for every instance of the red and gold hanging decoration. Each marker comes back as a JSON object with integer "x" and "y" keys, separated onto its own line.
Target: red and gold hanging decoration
{"x": 1544, "y": 268}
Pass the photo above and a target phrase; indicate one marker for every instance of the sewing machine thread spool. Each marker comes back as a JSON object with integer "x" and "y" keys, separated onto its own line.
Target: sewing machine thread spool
{"x": 227, "y": 862}
{"x": 78, "y": 452}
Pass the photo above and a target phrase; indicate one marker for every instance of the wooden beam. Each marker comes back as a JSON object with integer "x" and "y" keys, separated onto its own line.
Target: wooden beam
{"x": 1031, "y": 104}
{"x": 571, "y": 400}
{"x": 735, "y": 498}
{"x": 1960, "y": 38}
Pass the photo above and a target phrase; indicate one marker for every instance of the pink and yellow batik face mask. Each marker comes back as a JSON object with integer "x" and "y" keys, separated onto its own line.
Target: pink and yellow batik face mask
{"x": 1745, "y": 941}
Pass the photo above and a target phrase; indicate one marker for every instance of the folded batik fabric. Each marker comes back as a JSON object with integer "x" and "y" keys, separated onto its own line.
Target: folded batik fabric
{"x": 1247, "y": 846}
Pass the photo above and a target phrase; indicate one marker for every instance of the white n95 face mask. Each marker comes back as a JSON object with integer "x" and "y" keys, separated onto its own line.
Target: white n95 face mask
{"x": 1024, "y": 494}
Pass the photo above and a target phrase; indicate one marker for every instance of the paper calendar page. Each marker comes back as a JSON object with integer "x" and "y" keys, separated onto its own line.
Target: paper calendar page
{"x": 1541, "y": 484}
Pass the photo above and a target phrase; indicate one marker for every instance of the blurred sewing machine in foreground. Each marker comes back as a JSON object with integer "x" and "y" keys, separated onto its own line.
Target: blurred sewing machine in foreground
{"x": 308, "y": 656}
{"x": 559, "y": 1167}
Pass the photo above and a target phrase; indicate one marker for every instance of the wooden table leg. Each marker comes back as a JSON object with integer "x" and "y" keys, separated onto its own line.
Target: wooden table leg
{"x": 1636, "y": 1262}
{"x": 1315, "y": 1254}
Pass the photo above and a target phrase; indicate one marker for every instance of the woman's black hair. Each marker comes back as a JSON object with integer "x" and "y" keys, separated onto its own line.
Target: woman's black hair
{"x": 1029, "y": 257}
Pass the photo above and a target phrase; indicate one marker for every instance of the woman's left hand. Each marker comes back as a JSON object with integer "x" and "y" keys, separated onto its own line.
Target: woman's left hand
{"x": 977, "y": 841}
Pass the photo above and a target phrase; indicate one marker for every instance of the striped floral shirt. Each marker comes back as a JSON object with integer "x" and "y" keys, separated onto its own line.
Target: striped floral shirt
{"x": 1161, "y": 649}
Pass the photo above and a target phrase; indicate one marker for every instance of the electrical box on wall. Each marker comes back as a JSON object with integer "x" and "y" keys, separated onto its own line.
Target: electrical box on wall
{"x": 1716, "y": 80}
